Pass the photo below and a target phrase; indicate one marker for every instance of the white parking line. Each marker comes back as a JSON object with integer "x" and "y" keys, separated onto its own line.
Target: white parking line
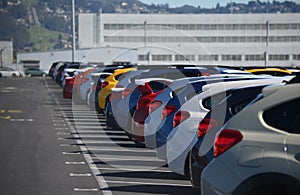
{"x": 80, "y": 175}
{"x": 149, "y": 183}
{"x": 59, "y": 133}
{"x": 119, "y": 149}
{"x": 85, "y": 189}
{"x": 133, "y": 169}
{"x": 75, "y": 163}
{"x": 21, "y": 120}
{"x": 71, "y": 153}
{"x": 125, "y": 158}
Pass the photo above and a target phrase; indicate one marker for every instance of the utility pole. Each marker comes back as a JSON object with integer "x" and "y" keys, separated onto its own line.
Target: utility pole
{"x": 73, "y": 31}
{"x": 145, "y": 33}
{"x": 267, "y": 42}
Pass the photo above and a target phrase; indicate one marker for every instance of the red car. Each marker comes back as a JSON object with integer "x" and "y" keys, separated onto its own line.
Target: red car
{"x": 149, "y": 89}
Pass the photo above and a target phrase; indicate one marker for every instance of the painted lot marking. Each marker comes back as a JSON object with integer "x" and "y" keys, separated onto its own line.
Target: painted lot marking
{"x": 133, "y": 168}
{"x": 149, "y": 183}
{"x": 85, "y": 189}
{"x": 5, "y": 117}
{"x": 75, "y": 163}
{"x": 15, "y": 111}
{"x": 71, "y": 153}
{"x": 80, "y": 175}
{"x": 21, "y": 120}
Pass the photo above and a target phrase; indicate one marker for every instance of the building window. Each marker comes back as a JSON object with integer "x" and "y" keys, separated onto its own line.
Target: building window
{"x": 278, "y": 57}
{"x": 231, "y": 39}
{"x": 143, "y": 57}
{"x": 261, "y": 26}
{"x": 207, "y": 57}
{"x": 256, "y": 57}
{"x": 296, "y": 57}
{"x": 161, "y": 57}
{"x": 184, "y": 57}
{"x": 231, "y": 57}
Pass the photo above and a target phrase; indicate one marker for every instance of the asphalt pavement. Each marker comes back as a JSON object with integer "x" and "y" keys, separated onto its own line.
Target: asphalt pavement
{"x": 49, "y": 145}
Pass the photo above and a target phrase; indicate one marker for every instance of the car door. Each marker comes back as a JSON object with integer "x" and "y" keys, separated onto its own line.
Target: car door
{"x": 293, "y": 144}
{"x": 285, "y": 117}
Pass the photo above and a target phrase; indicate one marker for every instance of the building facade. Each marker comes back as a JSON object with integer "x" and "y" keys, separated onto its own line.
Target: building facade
{"x": 6, "y": 53}
{"x": 103, "y": 55}
{"x": 226, "y": 39}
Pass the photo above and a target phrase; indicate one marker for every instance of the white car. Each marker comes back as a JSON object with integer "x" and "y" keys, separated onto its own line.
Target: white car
{"x": 9, "y": 72}
{"x": 258, "y": 150}
{"x": 154, "y": 120}
{"x": 184, "y": 135}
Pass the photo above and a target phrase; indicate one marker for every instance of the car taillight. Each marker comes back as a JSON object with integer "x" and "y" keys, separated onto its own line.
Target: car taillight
{"x": 167, "y": 110}
{"x": 205, "y": 125}
{"x": 104, "y": 84}
{"x": 126, "y": 92}
{"x": 225, "y": 139}
{"x": 154, "y": 105}
{"x": 179, "y": 117}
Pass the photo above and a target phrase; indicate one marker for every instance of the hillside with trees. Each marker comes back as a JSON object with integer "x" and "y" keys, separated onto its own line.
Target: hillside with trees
{"x": 41, "y": 25}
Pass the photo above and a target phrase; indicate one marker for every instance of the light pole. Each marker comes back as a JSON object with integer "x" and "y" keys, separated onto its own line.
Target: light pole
{"x": 73, "y": 31}
{"x": 267, "y": 42}
{"x": 145, "y": 33}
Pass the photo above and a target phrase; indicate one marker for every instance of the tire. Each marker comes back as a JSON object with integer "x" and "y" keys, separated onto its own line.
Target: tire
{"x": 29, "y": 75}
{"x": 14, "y": 75}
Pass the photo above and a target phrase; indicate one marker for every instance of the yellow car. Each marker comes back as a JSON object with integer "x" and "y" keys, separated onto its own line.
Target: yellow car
{"x": 109, "y": 83}
{"x": 270, "y": 71}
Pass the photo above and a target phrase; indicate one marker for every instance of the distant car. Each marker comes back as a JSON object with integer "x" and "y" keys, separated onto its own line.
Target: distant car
{"x": 257, "y": 150}
{"x": 106, "y": 87}
{"x": 9, "y": 72}
{"x": 270, "y": 71}
{"x": 35, "y": 72}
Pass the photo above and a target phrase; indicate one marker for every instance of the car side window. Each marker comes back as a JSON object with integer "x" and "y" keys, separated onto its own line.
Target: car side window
{"x": 211, "y": 101}
{"x": 236, "y": 108}
{"x": 156, "y": 85}
{"x": 284, "y": 116}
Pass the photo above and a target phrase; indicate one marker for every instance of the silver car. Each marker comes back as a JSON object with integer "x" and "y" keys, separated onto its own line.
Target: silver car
{"x": 258, "y": 150}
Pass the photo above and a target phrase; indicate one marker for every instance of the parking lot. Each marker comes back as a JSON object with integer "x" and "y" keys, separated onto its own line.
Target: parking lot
{"x": 47, "y": 141}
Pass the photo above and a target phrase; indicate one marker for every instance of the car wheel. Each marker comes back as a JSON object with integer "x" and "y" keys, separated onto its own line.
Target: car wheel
{"x": 14, "y": 75}
{"x": 44, "y": 75}
{"x": 29, "y": 75}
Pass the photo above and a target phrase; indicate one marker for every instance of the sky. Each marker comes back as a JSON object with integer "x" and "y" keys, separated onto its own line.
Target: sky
{"x": 202, "y": 3}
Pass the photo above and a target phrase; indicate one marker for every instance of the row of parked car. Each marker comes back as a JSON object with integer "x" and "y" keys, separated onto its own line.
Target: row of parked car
{"x": 32, "y": 71}
{"x": 230, "y": 131}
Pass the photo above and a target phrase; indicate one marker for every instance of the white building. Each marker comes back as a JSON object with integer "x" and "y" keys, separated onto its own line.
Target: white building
{"x": 6, "y": 53}
{"x": 227, "y": 39}
{"x": 103, "y": 55}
